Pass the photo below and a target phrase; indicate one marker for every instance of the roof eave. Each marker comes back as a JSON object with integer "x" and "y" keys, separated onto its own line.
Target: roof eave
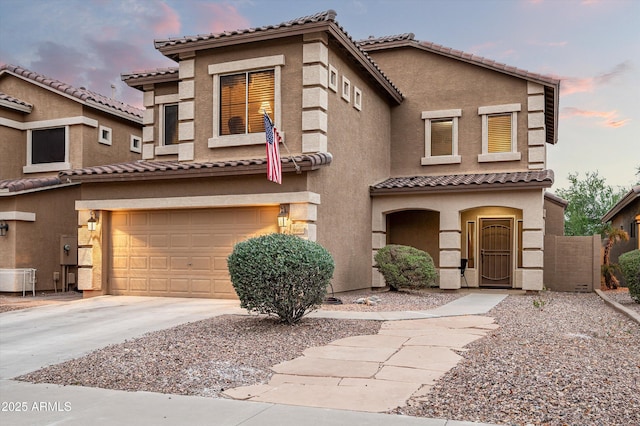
{"x": 461, "y": 188}
{"x": 15, "y": 106}
{"x": 138, "y": 82}
{"x": 624, "y": 202}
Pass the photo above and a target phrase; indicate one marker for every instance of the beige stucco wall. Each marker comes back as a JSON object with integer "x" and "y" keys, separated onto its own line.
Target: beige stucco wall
{"x": 554, "y": 218}
{"x": 14, "y": 151}
{"x": 95, "y": 153}
{"x": 359, "y": 143}
{"x": 433, "y": 82}
{"x": 35, "y": 243}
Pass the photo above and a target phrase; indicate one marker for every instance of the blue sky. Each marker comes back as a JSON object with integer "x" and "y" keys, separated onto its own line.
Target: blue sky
{"x": 592, "y": 45}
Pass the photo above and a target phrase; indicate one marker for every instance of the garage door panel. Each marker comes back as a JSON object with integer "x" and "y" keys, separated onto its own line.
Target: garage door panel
{"x": 138, "y": 284}
{"x": 181, "y": 253}
{"x": 180, "y": 240}
{"x": 160, "y": 285}
{"x": 139, "y": 263}
{"x": 139, "y": 219}
{"x": 159, "y": 241}
{"x": 139, "y": 240}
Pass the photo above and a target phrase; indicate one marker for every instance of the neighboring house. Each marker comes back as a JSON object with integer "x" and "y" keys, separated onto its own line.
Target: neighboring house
{"x": 626, "y": 216}
{"x": 392, "y": 140}
{"x": 47, "y": 126}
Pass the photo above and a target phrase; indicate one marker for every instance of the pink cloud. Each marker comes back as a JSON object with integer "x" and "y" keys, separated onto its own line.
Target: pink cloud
{"x": 609, "y": 118}
{"x": 168, "y": 23}
{"x": 588, "y": 84}
{"x": 215, "y": 18}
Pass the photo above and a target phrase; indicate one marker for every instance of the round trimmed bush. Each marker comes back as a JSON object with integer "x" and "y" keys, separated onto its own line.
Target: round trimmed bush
{"x": 280, "y": 274}
{"x": 630, "y": 265}
{"x": 405, "y": 266}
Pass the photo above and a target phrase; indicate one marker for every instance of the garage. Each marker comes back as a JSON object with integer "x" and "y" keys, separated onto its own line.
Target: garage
{"x": 180, "y": 253}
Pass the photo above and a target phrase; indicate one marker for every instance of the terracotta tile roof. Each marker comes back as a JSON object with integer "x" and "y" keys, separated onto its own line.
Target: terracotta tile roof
{"x": 167, "y": 46}
{"x": 15, "y": 103}
{"x": 153, "y": 170}
{"x": 372, "y": 43}
{"x": 159, "y": 75}
{"x": 328, "y": 15}
{"x": 15, "y": 185}
{"x": 83, "y": 95}
{"x": 487, "y": 181}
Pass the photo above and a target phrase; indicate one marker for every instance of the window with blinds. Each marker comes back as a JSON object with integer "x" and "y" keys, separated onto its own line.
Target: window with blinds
{"x": 243, "y": 99}
{"x": 499, "y": 133}
{"x": 441, "y": 137}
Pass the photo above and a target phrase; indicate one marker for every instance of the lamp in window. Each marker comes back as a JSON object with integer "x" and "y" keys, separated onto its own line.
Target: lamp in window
{"x": 92, "y": 222}
{"x": 4, "y": 227}
{"x": 265, "y": 107}
{"x": 283, "y": 216}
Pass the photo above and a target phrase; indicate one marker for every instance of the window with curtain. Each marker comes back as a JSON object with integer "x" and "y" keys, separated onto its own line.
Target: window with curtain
{"x": 441, "y": 137}
{"x": 499, "y": 133}
{"x": 243, "y": 98}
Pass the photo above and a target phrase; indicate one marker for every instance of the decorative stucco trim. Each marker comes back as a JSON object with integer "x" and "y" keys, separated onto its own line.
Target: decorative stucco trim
{"x": 240, "y": 200}
{"x": 18, "y": 216}
{"x": 31, "y": 125}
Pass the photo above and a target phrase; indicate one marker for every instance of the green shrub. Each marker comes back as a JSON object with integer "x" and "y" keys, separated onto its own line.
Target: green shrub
{"x": 280, "y": 274}
{"x": 630, "y": 265}
{"x": 404, "y": 266}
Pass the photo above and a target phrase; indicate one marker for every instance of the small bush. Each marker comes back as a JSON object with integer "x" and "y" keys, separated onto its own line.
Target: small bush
{"x": 404, "y": 266}
{"x": 630, "y": 265}
{"x": 280, "y": 274}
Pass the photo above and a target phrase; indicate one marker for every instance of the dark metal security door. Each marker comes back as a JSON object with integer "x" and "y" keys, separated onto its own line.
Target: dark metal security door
{"x": 495, "y": 252}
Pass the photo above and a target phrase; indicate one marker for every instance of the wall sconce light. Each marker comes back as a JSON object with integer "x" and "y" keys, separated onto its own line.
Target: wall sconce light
{"x": 91, "y": 223}
{"x": 4, "y": 227}
{"x": 283, "y": 216}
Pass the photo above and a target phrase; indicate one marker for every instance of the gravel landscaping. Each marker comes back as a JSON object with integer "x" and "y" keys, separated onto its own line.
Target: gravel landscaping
{"x": 557, "y": 359}
{"x": 621, "y": 296}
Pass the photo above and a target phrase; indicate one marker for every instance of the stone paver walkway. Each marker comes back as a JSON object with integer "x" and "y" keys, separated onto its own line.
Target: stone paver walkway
{"x": 374, "y": 373}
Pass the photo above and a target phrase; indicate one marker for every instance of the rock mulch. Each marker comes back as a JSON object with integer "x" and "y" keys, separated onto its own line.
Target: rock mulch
{"x": 621, "y": 296}
{"x": 557, "y": 359}
{"x": 570, "y": 361}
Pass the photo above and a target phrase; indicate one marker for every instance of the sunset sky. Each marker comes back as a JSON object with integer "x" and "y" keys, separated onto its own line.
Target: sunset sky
{"x": 593, "y": 46}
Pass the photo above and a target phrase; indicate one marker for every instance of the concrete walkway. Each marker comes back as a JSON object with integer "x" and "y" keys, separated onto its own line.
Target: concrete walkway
{"x": 363, "y": 374}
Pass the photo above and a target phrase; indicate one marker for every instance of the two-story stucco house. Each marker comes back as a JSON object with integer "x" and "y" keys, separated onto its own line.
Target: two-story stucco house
{"x": 47, "y": 126}
{"x": 386, "y": 140}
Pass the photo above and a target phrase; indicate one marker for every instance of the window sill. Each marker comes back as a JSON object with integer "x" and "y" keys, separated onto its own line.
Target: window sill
{"x": 240, "y": 140}
{"x": 46, "y": 167}
{"x": 499, "y": 156}
{"x": 166, "y": 150}
{"x": 444, "y": 159}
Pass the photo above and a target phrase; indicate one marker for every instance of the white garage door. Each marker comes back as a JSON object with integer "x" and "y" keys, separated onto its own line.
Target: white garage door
{"x": 181, "y": 253}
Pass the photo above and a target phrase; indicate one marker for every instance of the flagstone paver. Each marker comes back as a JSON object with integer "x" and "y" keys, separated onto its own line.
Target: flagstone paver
{"x": 376, "y": 373}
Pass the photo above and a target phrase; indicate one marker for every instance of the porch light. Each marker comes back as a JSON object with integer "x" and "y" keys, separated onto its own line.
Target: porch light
{"x": 91, "y": 223}
{"x": 4, "y": 227}
{"x": 283, "y": 216}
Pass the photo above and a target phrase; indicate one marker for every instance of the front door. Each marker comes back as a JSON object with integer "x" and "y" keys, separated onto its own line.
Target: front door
{"x": 495, "y": 252}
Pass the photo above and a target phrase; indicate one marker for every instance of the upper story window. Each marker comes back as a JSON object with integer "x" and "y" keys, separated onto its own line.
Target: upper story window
{"x": 242, "y": 91}
{"x": 441, "y": 137}
{"x": 104, "y": 135}
{"x": 499, "y": 133}
{"x": 243, "y": 99}
{"x": 135, "y": 144}
{"x": 169, "y": 124}
{"x": 47, "y": 150}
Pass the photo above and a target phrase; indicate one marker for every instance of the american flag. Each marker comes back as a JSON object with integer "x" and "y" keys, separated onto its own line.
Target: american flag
{"x": 274, "y": 166}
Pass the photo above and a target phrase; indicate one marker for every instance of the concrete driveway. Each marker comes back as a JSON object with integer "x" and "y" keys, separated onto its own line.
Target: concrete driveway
{"x": 37, "y": 337}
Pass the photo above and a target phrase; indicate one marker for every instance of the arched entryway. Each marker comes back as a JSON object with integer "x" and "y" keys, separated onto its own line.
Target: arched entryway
{"x": 415, "y": 228}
